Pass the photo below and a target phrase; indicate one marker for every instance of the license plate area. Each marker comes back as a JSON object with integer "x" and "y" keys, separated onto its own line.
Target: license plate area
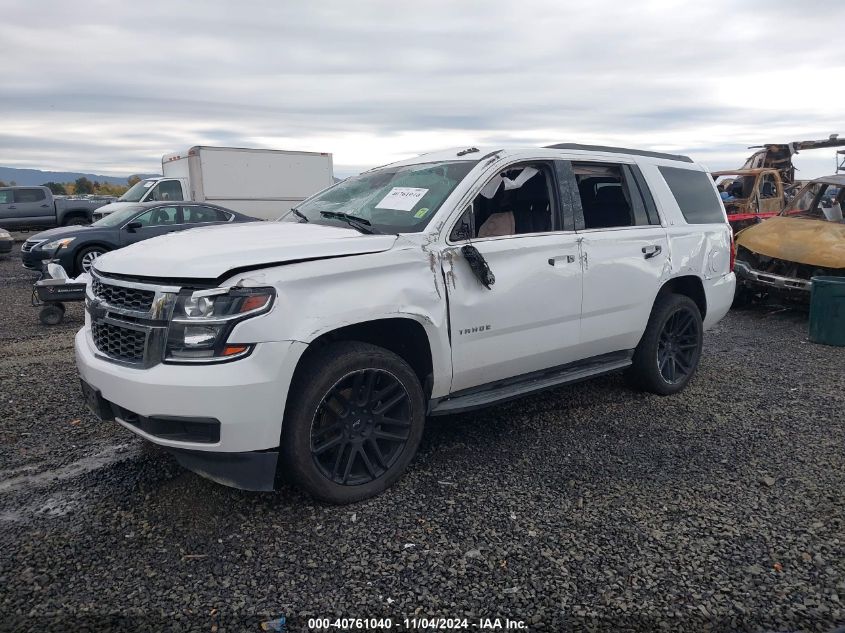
{"x": 95, "y": 402}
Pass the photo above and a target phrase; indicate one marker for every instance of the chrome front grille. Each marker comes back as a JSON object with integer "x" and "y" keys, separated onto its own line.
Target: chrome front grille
{"x": 119, "y": 343}
{"x": 129, "y": 319}
{"x": 29, "y": 245}
{"x": 123, "y": 296}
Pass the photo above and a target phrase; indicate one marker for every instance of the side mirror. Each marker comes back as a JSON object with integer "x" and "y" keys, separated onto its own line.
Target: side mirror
{"x": 133, "y": 226}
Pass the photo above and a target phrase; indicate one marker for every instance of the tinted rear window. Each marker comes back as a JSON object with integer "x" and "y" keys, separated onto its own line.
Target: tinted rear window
{"x": 695, "y": 195}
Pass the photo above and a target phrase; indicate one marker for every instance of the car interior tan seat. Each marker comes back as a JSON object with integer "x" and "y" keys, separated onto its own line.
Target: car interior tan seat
{"x": 498, "y": 225}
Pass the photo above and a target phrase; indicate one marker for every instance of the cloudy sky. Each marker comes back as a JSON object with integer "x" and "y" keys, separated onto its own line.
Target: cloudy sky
{"x": 110, "y": 86}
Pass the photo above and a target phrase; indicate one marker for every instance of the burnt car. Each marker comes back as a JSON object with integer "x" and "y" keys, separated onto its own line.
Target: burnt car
{"x": 806, "y": 239}
{"x": 750, "y": 195}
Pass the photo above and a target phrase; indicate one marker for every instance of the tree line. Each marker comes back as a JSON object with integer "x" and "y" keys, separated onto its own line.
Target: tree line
{"x": 83, "y": 186}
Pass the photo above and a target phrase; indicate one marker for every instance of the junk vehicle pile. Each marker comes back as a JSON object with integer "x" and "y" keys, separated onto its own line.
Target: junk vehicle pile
{"x": 766, "y": 182}
{"x": 805, "y": 240}
{"x": 314, "y": 348}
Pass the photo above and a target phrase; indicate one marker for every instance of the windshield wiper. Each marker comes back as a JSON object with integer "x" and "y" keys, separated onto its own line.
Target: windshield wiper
{"x": 299, "y": 214}
{"x": 362, "y": 225}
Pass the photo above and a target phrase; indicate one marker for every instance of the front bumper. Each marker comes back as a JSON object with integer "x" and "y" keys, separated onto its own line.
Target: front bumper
{"x": 6, "y": 246}
{"x": 247, "y": 397}
{"x": 32, "y": 259}
{"x": 752, "y": 277}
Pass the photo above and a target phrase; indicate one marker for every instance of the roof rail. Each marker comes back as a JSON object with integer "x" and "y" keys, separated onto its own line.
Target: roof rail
{"x": 621, "y": 150}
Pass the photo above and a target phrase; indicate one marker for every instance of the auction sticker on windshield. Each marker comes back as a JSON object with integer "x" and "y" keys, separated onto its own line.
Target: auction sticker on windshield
{"x": 402, "y": 198}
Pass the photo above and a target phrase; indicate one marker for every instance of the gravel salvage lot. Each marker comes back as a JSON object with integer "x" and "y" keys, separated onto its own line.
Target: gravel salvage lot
{"x": 588, "y": 507}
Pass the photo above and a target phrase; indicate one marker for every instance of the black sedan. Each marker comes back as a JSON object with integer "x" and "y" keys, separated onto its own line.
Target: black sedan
{"x": 79, "y": 246}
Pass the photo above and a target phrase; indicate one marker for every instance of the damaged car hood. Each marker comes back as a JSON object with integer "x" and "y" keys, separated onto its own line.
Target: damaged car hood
{"x": 211, "y": 252}
{"x": 801, "y": 240}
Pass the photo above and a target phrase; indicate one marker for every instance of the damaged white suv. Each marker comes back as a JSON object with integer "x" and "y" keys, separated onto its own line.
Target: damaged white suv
{"x": 316, "y": 346}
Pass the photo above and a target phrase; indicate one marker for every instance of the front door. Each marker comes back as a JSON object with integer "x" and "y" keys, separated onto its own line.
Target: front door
{"x": 153, "y": 222}
{"x": 528, "y": 319}
{"x": 770, "y": 194}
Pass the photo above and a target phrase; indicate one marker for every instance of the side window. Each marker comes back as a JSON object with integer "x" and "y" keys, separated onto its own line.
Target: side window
{"x": 610, "y": 196}
{"x": 768, "y": 186}
{"x": 29, "y": 195}
{"x": 198, "y": 215}
{"x": 694, "y": 193}
{"x": 166, "y": 190}
{"x": 516, "y": 201}
{"x": 159, "y": 216}
{"x": 6, "y": 196}
{"x": 805, "y": 201}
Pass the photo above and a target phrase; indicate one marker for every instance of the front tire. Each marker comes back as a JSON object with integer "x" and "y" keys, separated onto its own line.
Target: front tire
{"x": 668, "y": 353}
{"x": 85, "y": 258}
{"x": 353, "y": 423}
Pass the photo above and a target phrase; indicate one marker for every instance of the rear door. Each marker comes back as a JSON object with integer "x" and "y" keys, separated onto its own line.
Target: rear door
{"x": 32, "y": 207}
{"x": 201, "y": 215}
{"x": 154, "y": 222}
{"x": 624, "y": 251}
{"x": 528, "y": 318}
{"x": 9, "y": 217}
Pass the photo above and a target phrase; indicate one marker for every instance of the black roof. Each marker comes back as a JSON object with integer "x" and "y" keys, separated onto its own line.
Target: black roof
{"x": 621, "y": 150}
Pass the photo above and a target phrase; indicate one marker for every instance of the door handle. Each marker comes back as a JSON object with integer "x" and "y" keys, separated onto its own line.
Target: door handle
{"x": 44, "y": 206}
{"x": 652, "y": 250}
{"x": 568, "y": 258}
{"x": 13, "y": 207}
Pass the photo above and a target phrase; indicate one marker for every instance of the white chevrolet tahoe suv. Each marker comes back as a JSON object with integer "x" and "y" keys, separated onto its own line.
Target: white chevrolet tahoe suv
{"x": 316, "y": 346}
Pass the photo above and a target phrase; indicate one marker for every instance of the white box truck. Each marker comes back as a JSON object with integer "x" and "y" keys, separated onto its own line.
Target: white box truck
{"x": 263, "y": 183}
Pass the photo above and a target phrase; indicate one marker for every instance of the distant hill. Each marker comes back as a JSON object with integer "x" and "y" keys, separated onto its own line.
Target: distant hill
{"x": 29, "y": 177}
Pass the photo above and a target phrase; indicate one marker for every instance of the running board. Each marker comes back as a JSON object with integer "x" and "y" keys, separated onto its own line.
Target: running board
{"x": 505, "y": 390}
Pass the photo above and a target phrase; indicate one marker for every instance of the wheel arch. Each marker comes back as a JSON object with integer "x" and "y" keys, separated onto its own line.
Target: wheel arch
{"x": 75, "y": 213}
{"x": 690, "y": 286}
{"x": 93, "y": 244}
{"x": 403, "y": 335}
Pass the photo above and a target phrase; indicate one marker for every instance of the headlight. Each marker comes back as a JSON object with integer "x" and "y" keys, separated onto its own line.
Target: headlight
{"x": 58, "y": 243}
{"x": 203, "y": 320}
{"x": 4, "y": 235}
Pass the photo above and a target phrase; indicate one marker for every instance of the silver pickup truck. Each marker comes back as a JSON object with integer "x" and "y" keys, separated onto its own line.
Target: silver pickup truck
{"x": 36, "y": 206}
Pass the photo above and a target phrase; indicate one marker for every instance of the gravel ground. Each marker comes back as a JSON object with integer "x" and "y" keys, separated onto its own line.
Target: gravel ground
{"x": 589, "y": 507}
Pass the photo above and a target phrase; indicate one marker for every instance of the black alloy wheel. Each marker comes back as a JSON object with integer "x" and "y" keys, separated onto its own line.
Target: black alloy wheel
{"x": 361, "y": 427}
{"x": 667, "y": 355}
{"x": 353, "y": 422}
{"x": 678, "y": 346}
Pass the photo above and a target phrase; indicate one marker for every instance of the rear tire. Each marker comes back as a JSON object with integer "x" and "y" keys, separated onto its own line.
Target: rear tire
{"x": 668, "y": 353}
{"x": 743, "y": 297}
{"x": 77, "y": 221}
{"x": 353, "y": 423}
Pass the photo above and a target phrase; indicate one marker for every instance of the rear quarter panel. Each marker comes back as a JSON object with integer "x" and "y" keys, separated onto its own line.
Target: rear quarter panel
{"x": 700, "y": 250}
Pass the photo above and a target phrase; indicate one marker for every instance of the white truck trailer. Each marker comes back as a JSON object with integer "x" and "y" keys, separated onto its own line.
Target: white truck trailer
{"x": 263, "y": 183}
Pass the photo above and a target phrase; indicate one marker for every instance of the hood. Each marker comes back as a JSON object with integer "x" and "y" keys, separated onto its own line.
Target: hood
{"x": 111, "y": 207}
{"x": 211, "y": 252}
{"x": 801, "y": 240}
{"x": 58, "y": 233}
